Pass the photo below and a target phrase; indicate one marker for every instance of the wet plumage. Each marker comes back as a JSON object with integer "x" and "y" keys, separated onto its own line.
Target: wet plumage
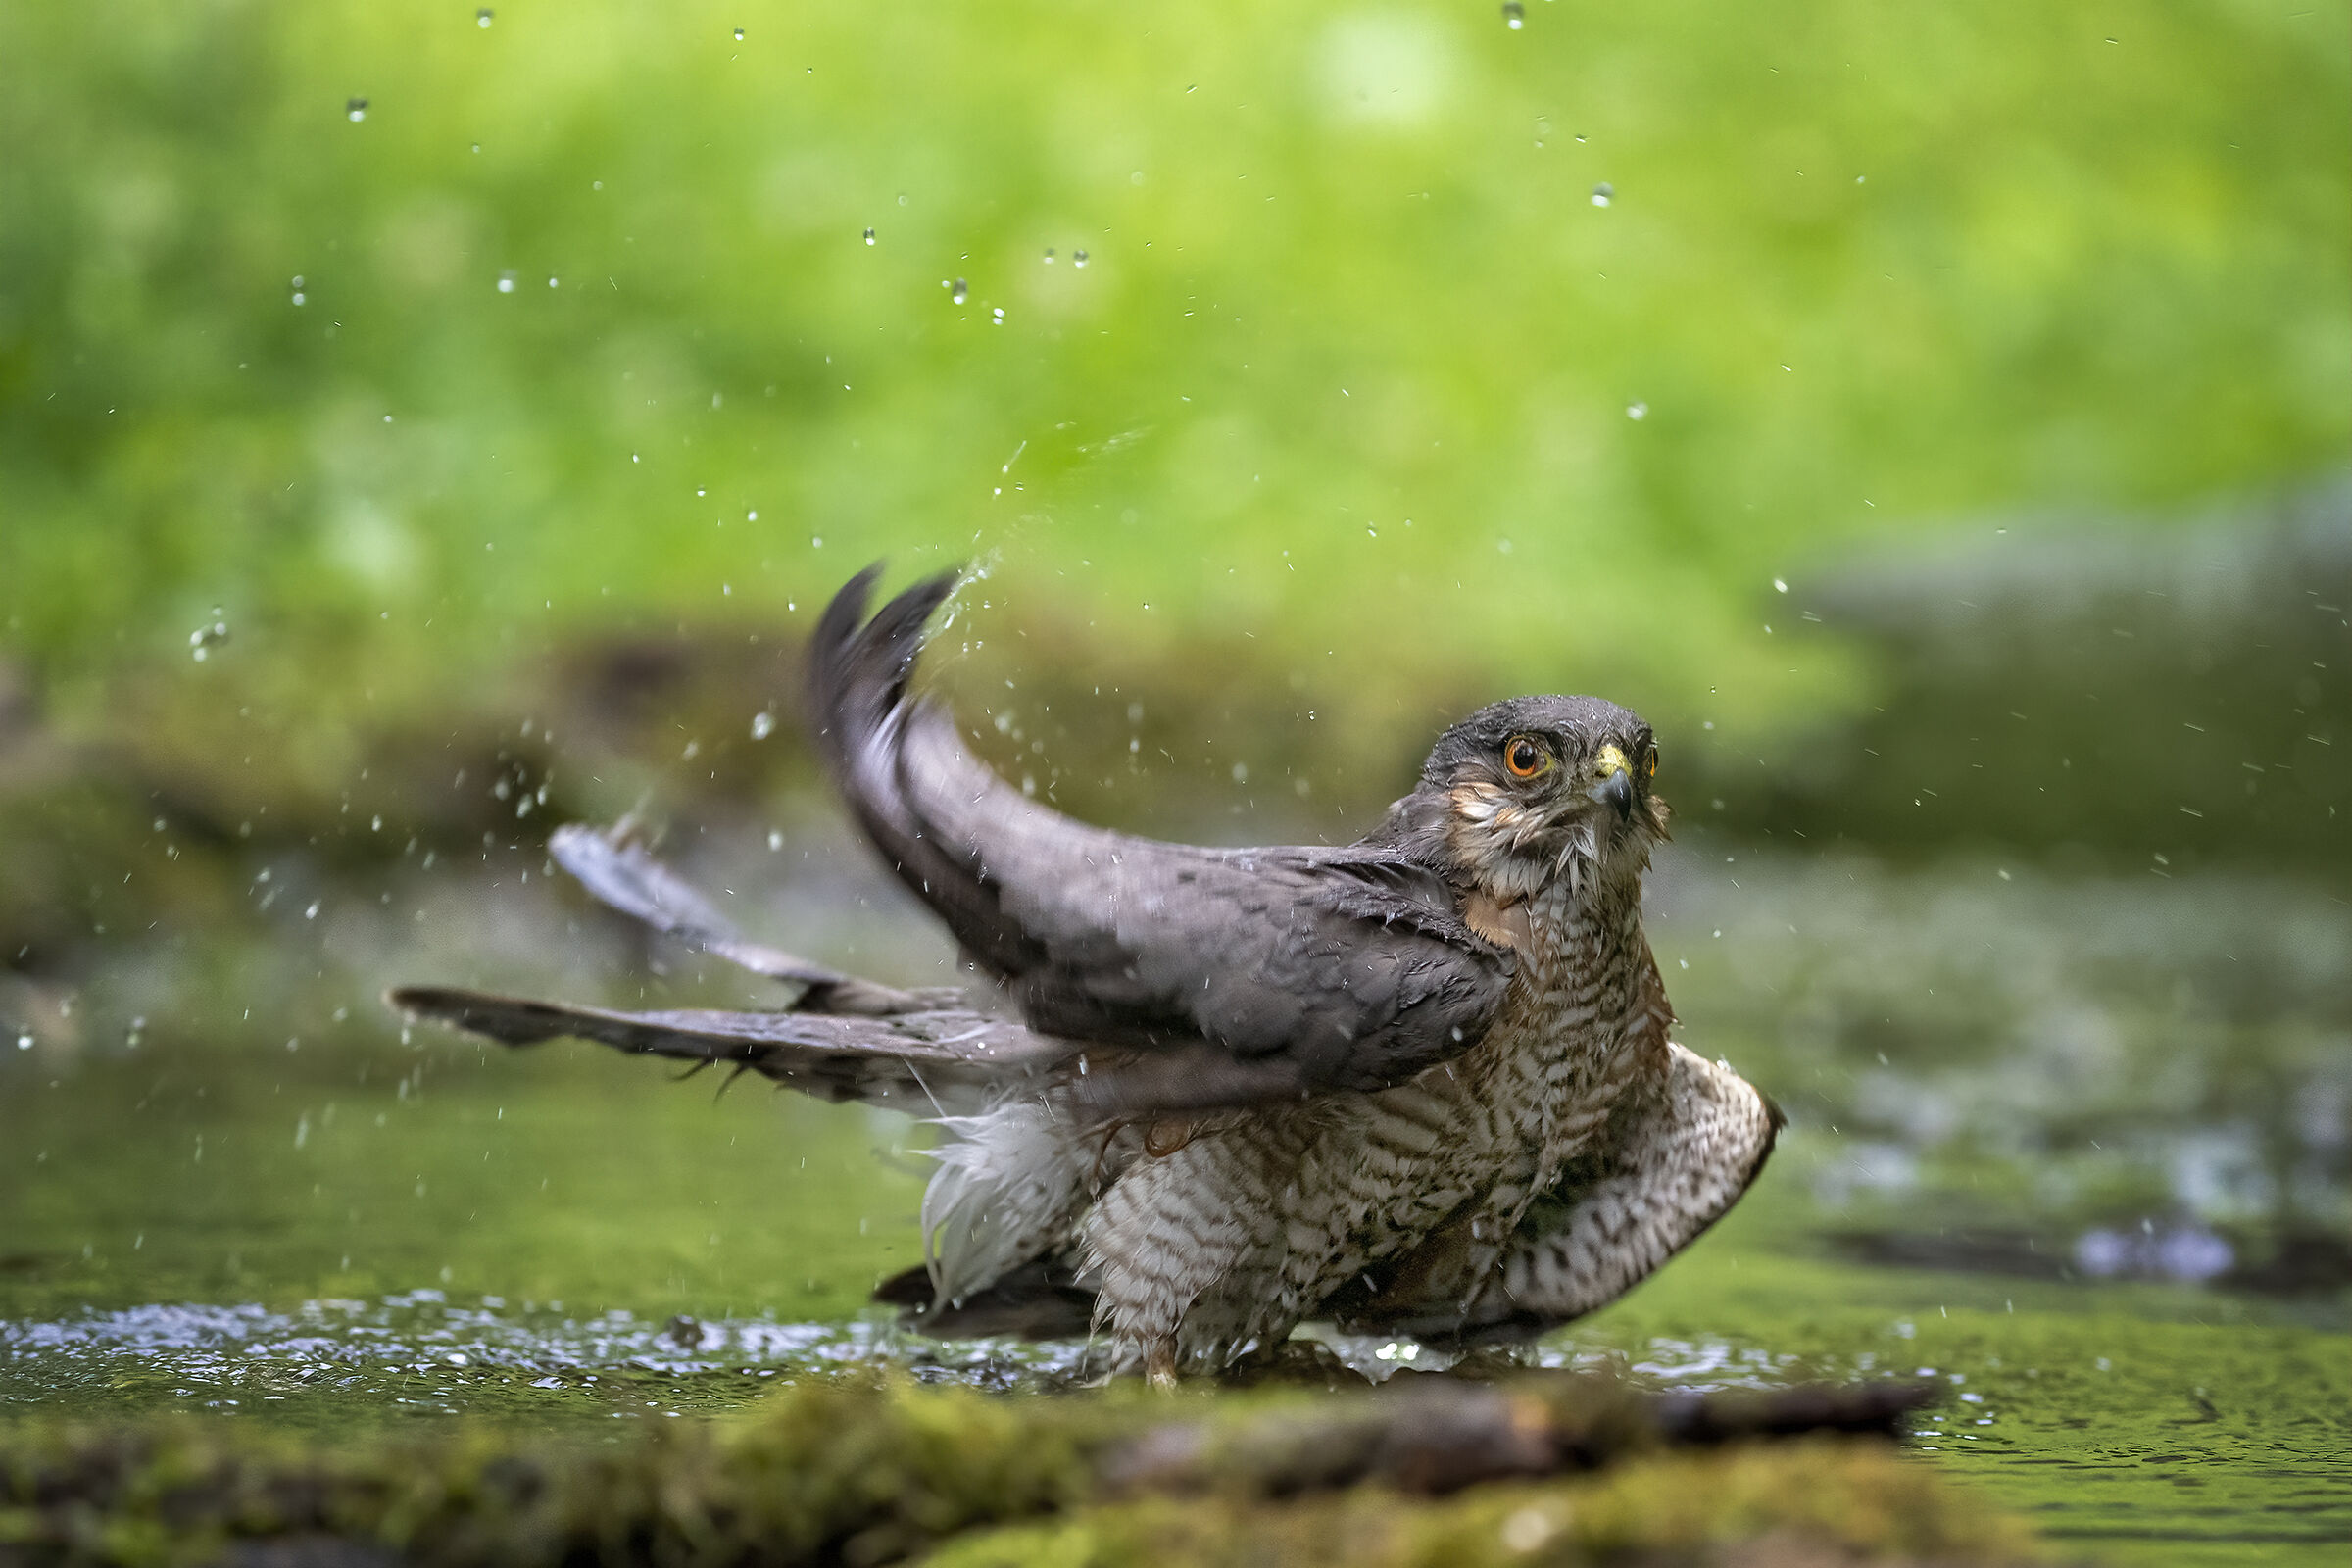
{"x": 1421, "y": 1083}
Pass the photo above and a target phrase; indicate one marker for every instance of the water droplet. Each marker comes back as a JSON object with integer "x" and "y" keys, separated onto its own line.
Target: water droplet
{"x": 752, "y": 515}
{"x": 959, "y": 292}
{"x": 481, "y": 18}
{"x": 506, "y": 283}
{"x": 550, "y": 282}
{"x": 775, "y": 838}
{"x": 1514, "y": 14}
{"x": 816, "y": 541}
{"x": 23, "y": 1041}
{"x": 738, "y": 35}
{"x": 1049, "y": 256}
{"x": 869, "y": 236}
{"x": 311, "y": 913}
{"x": 1077, "y": 258}
{"x": 1778, "y": 586}
{"x": 634, "y": 457}
{"x": 355, "y": 110}
{"x": 1503, "y": 545}
{"x": 1602, "y": 193}
{"x": 997, "y": 317}
{"x": 763, "y": 725}
{"x": 1637, "y": 411}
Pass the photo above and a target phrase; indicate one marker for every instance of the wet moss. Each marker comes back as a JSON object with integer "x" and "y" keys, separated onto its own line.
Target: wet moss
{"x": 876, "y": 1471}
{"x": 1826, "y": 1500}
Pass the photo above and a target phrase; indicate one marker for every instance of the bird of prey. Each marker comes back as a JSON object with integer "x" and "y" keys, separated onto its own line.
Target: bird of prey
{"x": 1419, "y": 1084}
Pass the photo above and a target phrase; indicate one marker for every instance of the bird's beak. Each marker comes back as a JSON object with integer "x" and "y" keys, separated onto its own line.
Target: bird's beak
{"x": 1616, "y": 785}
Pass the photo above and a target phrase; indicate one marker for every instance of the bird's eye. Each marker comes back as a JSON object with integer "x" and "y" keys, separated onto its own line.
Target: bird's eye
{"x": 1649, "y": 763}
{"x": 1525, "y": 757}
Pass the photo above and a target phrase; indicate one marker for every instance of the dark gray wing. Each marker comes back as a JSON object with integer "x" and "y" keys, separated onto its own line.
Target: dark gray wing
{"x": 1241, "y": 975}
{"x": 628, "y": 879}
{"x": 954, "y": 1062}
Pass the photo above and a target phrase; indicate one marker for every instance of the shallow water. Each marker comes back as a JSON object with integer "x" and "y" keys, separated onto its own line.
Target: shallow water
{"x": 2034, "y": 1082}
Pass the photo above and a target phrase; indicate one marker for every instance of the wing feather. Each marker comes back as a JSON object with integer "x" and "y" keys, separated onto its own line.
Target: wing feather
{"x": 950, "y": 1061}
{"x": 624, "y": 877}
{"x": 1302, "y": 969}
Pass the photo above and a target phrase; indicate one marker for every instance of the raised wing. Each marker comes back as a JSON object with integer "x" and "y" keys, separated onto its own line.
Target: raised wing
{"x": 1230, "y": 975}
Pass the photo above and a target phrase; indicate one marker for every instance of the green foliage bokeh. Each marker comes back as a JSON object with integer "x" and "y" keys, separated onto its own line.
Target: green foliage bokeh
{"x": 1862, "y": 268}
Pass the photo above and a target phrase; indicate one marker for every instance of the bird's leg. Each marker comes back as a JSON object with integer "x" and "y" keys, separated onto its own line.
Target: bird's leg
{"x": 1159, "y": 1364}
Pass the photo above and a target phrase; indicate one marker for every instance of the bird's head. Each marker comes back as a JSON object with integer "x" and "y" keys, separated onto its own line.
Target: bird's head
{"x": 1539, "y": 787}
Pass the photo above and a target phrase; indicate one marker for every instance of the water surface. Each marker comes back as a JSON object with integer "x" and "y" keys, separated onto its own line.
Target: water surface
{"x": 2098, "y": 1112}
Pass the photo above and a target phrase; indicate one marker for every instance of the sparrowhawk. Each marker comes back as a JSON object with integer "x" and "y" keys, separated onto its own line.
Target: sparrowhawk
{"x": 1419, "y": 1084}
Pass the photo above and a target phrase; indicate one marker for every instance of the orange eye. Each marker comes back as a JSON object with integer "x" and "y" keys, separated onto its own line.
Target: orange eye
{"x": 1650, "y": 763}
{"x": 1524, "y": 757}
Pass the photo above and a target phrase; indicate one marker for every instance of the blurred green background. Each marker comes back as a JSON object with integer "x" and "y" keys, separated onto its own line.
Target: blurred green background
{"x": 1303, "y": 323}
{"x": 420, "y": 424}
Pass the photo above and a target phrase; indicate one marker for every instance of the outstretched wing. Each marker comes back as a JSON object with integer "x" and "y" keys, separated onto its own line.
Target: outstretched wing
{"x": 951, "y": 1062}
{"x": 1232, "y": 975}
